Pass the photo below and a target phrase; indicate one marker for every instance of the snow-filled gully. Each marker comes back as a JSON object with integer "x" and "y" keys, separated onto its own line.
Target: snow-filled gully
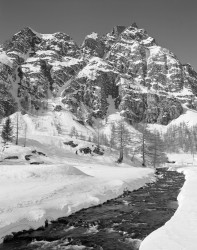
{"x": 118, "y": 224}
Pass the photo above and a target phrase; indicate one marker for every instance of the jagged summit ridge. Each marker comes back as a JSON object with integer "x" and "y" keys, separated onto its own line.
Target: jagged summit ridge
{"x": 117, "y": 30}
{"x": 144, "y": 80}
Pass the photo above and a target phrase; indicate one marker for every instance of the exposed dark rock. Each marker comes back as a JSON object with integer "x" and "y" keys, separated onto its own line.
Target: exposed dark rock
{"x": 58, "y": 108}
{"x": 37, "y": 152}
{"x": 27, "y": 157}
{"x": 117, "y": 30}
{"x": 37, "y": 162}
{"x": 40, "y": 153}
{"x": 71, "y": 143}
{"x": 171, "y": 161}
{"x": 93, "y": 46}
{"x": 86, "y": 150}
{"x": 8, "y": 238}
{"x": 11, "y": 157}
{"x": 98, "y": 151}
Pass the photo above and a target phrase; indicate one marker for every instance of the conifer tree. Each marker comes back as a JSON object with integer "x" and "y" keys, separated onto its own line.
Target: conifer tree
{"x": 81, "y": 136}
{"x": 112, "y": 136}
{"x": 122, "y": 138}
{"x": 25, "y": 135}
{"x": 143, "y": 141}
{"x": 97, "y": 137}
{"x": 104, "y": 140}
{"x": 143, "y": 145}
{"x": 73, "y": 131}
{"x": 156, "y": 150}
{"x": 17, "y": 127}
{"x": 152, "y": 147}
{"x": 7, "y": 132}
{"x": 135, "y": 146}
{"x": 181, "y": 138}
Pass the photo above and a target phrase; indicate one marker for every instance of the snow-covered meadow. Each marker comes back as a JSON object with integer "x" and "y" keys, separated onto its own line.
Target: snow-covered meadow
{"x": 67, "y": 182}
{"x": 31, "y": 193}
{"x": 64, "y": 183}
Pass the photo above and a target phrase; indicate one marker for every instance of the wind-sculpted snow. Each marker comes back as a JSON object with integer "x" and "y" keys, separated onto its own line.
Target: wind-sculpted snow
{"x": 145, "y": 80}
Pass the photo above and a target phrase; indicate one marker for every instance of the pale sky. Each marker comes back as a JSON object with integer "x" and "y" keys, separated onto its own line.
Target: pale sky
{"x": 171, "y": 22}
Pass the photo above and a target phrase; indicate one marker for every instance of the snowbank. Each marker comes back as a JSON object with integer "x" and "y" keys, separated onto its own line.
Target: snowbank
{"x": 31, "y": 193}
{"x": 64, "y": 182}
{"x": 180, "y": 232}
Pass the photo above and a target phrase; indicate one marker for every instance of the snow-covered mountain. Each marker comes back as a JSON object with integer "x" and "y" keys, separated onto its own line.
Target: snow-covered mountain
{"x": 40, "y": 72}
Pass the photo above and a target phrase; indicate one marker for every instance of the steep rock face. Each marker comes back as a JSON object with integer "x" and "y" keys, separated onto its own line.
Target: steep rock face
{"x": 93, "y": 46}
{"x": 34, "y": 67}
{"x": 87, "y": 94}
{"x": 136, "y": 104}
{"x": 145, "y": 81}
{"x": 19, "y": 47}
{"x": 110, "y": 38}
{"x": 60, "y": 43}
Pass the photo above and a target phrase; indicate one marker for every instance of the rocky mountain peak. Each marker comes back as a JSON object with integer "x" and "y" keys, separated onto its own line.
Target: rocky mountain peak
{"x": 93, "y": 46}
{"x": 117, "y": 30}
{"x": 134, "y": 34}
{"x": 134, "y": 25}
{"x": 142, "y": 79}
{"x": 60, "y": 43}
{"x": 26, "y": 35}
{"x": 27, "y": 31}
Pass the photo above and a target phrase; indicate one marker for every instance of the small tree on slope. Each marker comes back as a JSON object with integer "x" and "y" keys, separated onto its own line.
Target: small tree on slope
{"x": 112, "y": 136}
{"x": 156, "y": 150}
{"x": 73, "y": 132}
{"x": 143, "y": 142}
{"x": 151, "y": 146}
{"x": 122, "y": 138}
{"x": 7, "y": 132}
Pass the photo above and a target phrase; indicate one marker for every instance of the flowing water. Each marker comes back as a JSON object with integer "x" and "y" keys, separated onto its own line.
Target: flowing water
{"x": 118, "y": 224}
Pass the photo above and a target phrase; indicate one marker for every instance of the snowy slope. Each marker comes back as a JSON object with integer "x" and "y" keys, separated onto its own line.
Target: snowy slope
{"x": 189, "y": 117}
{"x": 31, "y": 193}
{"x": 48, "y": 124}
{"x": 64, "y": 182}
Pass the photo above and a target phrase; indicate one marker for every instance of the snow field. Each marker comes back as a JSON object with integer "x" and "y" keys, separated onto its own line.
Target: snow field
{"x": 66, "y": 182}
{"x": 32, "y": 193}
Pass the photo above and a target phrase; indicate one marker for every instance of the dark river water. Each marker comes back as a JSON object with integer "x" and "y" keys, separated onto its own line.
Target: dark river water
{"x": 118, "y": 224}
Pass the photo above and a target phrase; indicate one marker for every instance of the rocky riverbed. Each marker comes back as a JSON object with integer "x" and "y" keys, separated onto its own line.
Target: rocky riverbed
{"x": 118, "y": 224}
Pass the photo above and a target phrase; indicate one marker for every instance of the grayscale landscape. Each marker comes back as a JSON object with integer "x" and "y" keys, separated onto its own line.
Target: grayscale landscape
{"x": 98, "y": 125}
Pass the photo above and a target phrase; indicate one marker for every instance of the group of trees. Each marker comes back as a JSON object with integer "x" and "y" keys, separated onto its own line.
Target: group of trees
{"x": 10, "y": 131}
{"x": 129, "y": 141}
{"x": 7, "y": 133}
{"x": 181, "y": 138}
{"x": 148, "y": 144}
